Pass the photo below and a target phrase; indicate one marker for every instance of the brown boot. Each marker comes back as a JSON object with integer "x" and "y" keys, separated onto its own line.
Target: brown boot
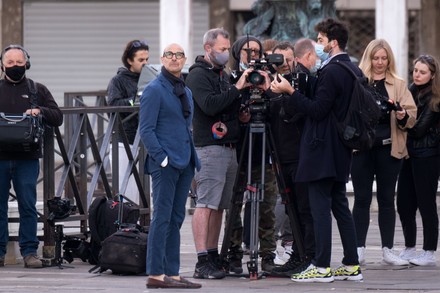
{"x": 32, "y": 261}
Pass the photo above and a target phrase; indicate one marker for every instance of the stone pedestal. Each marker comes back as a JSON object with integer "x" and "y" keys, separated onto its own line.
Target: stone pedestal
{"x": 12, "y": 253}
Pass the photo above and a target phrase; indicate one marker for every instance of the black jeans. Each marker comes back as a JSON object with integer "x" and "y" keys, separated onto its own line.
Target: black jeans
{"x": 299, "y": 201}
{"x": 367, "y": 166}
{"x": 327, "y": 196}
{"x": 417, "y": 189}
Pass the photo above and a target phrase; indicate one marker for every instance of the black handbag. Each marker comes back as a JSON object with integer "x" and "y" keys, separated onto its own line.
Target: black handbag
{"x": 20, "y": 133}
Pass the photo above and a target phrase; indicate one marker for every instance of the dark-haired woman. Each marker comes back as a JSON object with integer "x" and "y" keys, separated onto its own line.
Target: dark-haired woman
{"x": 418, "y": 180}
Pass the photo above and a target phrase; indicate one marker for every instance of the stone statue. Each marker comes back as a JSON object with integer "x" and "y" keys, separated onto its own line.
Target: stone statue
{"x": 288, "y": 20}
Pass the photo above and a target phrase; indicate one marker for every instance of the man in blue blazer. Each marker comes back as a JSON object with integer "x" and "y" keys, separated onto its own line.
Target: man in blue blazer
{"x": 166, "y": 111}
{"x": 324, "y": 162}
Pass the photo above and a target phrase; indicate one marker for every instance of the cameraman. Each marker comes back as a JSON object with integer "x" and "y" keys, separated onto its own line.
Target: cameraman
{"x": 22, "y": 167}
{"x": 245, "y": 51}
{"x": 284, "y": 120}
{"x": 216, "y": 133}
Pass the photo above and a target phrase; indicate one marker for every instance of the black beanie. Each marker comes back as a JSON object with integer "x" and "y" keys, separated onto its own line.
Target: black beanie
{"x": 240, "y": 43}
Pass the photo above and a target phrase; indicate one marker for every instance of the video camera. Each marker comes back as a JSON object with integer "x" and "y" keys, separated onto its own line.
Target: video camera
{"x": 264, "y": 64}
{"x": 59, "y": 209}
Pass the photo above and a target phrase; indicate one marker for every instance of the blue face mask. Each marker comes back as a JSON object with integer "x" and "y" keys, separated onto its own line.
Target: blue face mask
{"x": 316, "y": 67}
{"x": 219, "y": 58}
{"x": 243, "y": 66}
{"x": 319, "y": 49}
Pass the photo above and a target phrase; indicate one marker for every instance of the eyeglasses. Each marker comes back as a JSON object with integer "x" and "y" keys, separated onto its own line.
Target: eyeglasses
{"x": 255, "y": 51}
{"x": 137, "y": 44}
{"x": 169, "y": 55}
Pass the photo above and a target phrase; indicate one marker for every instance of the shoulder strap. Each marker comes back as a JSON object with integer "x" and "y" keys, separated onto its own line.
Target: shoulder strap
{"x": 33, "y": 90}
{"x": 343, "y": 64}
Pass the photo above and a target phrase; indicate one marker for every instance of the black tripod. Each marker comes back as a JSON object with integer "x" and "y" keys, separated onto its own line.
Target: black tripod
{"x": 254, "y": 191}
{"x": 59, "y": 237}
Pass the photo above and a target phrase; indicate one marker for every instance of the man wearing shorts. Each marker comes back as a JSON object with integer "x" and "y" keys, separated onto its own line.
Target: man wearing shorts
{"x": 216, "y": 131}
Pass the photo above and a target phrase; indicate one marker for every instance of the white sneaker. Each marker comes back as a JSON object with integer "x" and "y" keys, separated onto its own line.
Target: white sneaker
{"x": 408, "y": 253}
{"x": 426, "y": 258}
{"x": 391, "y": 258}
{"x": 287, "y": 252}
{"x": 278, "y": 260}
{"x": 361, "y": 255}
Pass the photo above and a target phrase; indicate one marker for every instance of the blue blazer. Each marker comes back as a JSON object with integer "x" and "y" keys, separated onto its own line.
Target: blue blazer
{"x": 163, "y": 128}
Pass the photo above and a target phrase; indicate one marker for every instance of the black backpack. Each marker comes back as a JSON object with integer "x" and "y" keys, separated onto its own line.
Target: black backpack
{"x": 103, "y": 222}
{"x": 358, "y": 128}
{"x": 124, "y": 252}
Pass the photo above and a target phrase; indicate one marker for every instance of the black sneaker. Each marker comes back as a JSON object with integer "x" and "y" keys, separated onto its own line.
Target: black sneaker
{"x": 206, "y": 270}
{"x": 235, "y": 266}
{"x": 289, "y": 267}
{"x": 220, "y": 263}
{"x": 267, "y": 262}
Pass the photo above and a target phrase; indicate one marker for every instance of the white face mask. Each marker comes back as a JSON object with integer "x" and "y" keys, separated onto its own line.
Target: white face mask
{"x": 317, "y": 66}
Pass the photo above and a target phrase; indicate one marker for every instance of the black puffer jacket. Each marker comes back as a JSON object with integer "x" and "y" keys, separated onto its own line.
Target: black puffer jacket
{"x": 424, "y": 138}
{"x": 121, "y": 91}
{"x": 215, "y": 99}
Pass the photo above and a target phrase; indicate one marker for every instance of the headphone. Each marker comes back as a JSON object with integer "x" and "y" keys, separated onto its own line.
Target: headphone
{"x": 219, "y": 130}
{"x": 26, "y": 55}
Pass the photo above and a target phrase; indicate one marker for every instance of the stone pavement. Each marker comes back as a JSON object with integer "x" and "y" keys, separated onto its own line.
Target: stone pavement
{"x": 377, "y": 277}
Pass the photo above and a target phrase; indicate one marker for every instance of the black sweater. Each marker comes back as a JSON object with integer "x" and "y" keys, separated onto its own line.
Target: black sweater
{"x": 215, "y": 100}
{"x": 14, "y": 99}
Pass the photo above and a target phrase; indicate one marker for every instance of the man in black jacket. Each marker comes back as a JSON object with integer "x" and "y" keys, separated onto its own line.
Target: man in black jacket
{"x": 216, "y": 132}
{"x": 288, "y": 120}
{"x": 324, "y": 163}
{"x": 21, "y": 166}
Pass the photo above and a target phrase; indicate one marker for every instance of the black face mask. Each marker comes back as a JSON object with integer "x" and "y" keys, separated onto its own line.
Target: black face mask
{"x": 15, "y": 73}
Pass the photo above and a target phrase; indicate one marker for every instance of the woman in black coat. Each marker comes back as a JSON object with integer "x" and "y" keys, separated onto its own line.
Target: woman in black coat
{"x": 418, "y": 180}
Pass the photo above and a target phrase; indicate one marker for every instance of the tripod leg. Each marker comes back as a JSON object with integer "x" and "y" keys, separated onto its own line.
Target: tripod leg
{"x": 255, "y": 193}
{"x": 286, "y": 196}
{"x": 236, "y": 203}
{"x": 58, "y": 239}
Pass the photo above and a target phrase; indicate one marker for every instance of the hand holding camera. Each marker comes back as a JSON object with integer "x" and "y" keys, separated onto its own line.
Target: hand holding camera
{"x": 280, "y": 85}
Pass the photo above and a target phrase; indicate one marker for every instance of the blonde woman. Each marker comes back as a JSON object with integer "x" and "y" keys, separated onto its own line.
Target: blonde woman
{"x": 383, "y": 162}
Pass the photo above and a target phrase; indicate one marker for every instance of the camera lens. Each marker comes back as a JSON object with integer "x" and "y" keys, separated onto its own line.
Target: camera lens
{"x": 255, "y": 78}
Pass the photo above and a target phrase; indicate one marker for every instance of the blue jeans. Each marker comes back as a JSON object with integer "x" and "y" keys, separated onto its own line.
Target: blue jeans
{"x": 24, "y": 175}
{"x": 170, "y": 192}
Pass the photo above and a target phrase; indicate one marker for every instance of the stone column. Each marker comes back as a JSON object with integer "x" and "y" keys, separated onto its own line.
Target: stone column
{"x": 176, "y": 25}
{"x": 11, "y": 22}
{"x": 392, "y": 25}
{"x": 429, "y": 28}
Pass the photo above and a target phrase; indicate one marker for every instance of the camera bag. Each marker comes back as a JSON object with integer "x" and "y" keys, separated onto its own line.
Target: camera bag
{"x": 124, "y": 252}
{"x": 22, "y": 132}
{"x": 104, "y": 221}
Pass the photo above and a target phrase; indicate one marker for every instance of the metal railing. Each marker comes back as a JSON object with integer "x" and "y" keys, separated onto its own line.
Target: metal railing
{"x": 76, "y": 162}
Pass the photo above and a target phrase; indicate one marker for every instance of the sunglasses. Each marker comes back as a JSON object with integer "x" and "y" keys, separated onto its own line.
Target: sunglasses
{"x": 169, "y": 55}
{"x": 137, "y": 44}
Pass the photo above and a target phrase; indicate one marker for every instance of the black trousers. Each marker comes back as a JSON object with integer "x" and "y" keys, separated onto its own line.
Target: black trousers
{"x": 326, "y": 197}
{"x": 299, "y": 201}
{"x": 375, "y": 164}
{"x": 417, "y": 189}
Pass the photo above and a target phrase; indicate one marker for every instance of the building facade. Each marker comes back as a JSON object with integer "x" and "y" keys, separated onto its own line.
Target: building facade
{"x": 76, "y": 46}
